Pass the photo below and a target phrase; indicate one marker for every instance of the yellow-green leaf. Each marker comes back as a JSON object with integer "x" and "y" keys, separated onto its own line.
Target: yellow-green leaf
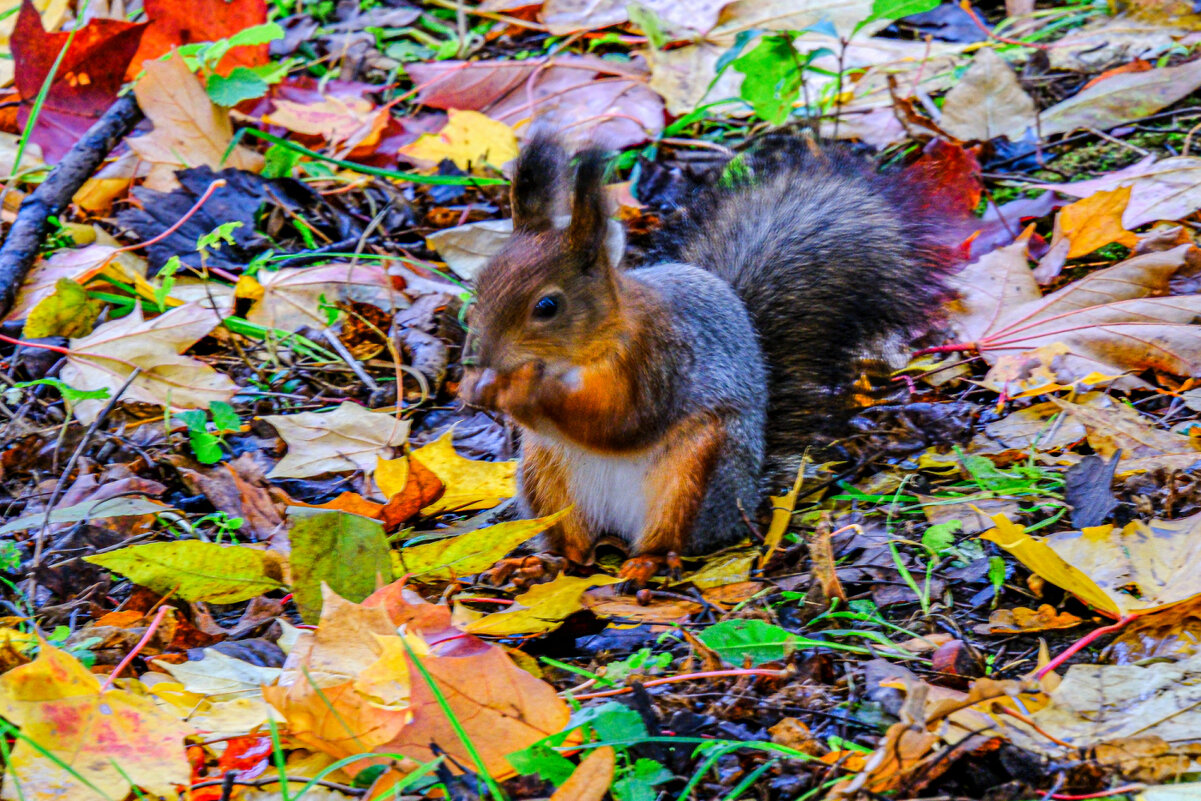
{"x": 541, "y": 609}
{"x": 346, "y": 551}
{"x": 472, "y": 552}
{"x": 69, "y": 312}
{"x": 197, "y": 571}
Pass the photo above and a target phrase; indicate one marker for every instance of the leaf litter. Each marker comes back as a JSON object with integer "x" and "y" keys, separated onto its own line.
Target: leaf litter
{"x": 247, "y": 522}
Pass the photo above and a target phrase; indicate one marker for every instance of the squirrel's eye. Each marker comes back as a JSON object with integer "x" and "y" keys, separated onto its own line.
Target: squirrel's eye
{"x": 546, "y": 307}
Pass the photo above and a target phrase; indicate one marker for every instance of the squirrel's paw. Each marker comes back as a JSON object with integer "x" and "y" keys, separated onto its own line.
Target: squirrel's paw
{"x": 639, "y": 570}
{"x": 525, "y": 570}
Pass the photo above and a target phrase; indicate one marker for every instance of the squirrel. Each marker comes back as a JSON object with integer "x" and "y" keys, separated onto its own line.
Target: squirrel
{"x": 660, "y": 402}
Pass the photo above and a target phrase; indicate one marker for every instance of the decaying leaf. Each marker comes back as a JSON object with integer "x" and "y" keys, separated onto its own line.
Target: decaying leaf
{"x": 348, "y": 438}
{"x": 988, "y": 101}
{"x": 109, "y": 355}
{"x": 90, "y": 743}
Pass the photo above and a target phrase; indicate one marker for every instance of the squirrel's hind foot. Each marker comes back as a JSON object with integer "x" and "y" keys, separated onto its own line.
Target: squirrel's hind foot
{"x": 637, "y": 571}
{"x": 525, "y": 570}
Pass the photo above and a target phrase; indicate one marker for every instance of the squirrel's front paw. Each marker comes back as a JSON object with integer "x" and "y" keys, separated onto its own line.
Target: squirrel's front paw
{"x": 525, "y": 570}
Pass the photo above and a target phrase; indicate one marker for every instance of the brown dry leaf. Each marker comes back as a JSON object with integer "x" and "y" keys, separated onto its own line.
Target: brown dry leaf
{"x": 291, "y": 298}
{"x": 1139, "y": 568}
{"x": 1167, "y": 189}
{"x": 685, "y": 19}
{"x": 591, "y": 780}
{"x": 1114, "y": 704}
{"x": 1095, "y": 222}
{"x": 100, "y": 736}
{"x": 348, "y": 438}
{"x": 1169, "y": 634}
{"x": 189, "y": 129}
{"x": 1114, "y": 427}
{"x": 1021, "y": 619}
{"x": 345, "y": 121}
{"x": 106, "y": 358}
{"x": 605, "y": 603}
{"x": 793, "y": 15}
{"x": 80, "y": 265}
{"x": 592, "y": 101}
{"x": 1107, "y": 320}
{"x": 1122, "y": 98}
{"x": 1041, "y": 427}
{"x": 987, "y": 102}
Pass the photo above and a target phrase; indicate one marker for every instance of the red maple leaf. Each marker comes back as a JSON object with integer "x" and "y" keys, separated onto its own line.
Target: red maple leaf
{"x": 87, "y": 80}
{"x": 174, "y": 23}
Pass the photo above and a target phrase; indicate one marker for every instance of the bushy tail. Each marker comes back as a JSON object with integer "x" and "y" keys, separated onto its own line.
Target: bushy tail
{"x": 831, "y": 259}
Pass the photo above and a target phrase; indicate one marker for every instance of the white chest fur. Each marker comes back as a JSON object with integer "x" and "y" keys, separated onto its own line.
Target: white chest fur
{"x": 609, "y": 491}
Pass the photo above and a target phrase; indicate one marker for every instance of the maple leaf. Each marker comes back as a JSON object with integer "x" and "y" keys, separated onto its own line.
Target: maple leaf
{"x": 1164, "y": 189}
{"x": 86, "y": 83}
{"x": 174, "y": 23}
{"x": 80, "y": 265}
{"x": 470, "y": 483}
{"x": 1106, "y": 322}
{"x": 293, "y": 297}
{"x": 189, "y": 129}
{"x": 469, "y": 139}
{"x": 101, "y": 736}
{"x": 348, "y": 438}
{"x": 107, "y": 357}
{"x": 341, "y": 116}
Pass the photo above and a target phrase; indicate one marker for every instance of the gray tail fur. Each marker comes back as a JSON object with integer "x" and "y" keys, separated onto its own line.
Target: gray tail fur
{"x": 831, "y": 259}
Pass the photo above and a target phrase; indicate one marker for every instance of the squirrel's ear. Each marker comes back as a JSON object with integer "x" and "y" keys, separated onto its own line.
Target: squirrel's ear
{"x": 589, "y": 217}
{"x": 536, "y": 180}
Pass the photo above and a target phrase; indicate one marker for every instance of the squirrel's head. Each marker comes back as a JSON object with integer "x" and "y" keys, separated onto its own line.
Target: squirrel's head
{"x": 550, "y": 291}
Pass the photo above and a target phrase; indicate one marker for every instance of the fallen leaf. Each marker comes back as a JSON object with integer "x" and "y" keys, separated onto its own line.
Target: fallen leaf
{"x": 988, "y": 101}
{"x": 173, "y": 24}
{"x": 345, "y": 552}
{"x": 1122, "y": 98}
{"x": 470, "y": 484}
{"x": 751, "y": 639}
{"x": 733, "y": 568}
{"x": 420, "y": 488}
{"x": 348, "y": 438}
{"x": 292, "y": 298}
{"x": 1117, "y": 427}
{"x": 1020, "y": 620}
{"x": 1106, "y": 320}
{"x": 578, "y": 95}
{"x": 605, "y": 603}
{"x": 1094, "y": 222}
{"x": 1139, "y": 568}
{"x": 591, "y": 780}
{"x": 467, "y": 248}
{"x": 347, "y": 121}
{"x": 108, "y": 356}
{"x": 90, "y": 744}
{"x": 68, "y": 312}
{"x": 1167, "y": 189}
{"x": 189, "y": 129}
{"x": 87, "y": 80}
{"x": 540, "y": 609}
{"x": 469, "y": 139}
{"x": 195, "y": 570}
{"x": 470, "y": 553}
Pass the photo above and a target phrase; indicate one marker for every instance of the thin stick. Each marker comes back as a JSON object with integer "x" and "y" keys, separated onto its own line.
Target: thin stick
{"x": 708, "y": 674}
{"x": 137, "y": 649}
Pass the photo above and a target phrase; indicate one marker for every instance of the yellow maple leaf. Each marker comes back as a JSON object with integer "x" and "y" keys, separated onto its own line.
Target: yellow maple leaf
{"x": 470, "y": 484}
{"x": 469, "y": 139}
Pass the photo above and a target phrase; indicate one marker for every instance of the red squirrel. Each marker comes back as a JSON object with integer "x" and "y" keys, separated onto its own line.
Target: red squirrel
{"x": 661, "y": 402}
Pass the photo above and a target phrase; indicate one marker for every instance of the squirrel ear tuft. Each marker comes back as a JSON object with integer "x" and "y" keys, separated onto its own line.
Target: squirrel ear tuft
{"x": 536, "y": 179}
{"x": 589, "y": 216}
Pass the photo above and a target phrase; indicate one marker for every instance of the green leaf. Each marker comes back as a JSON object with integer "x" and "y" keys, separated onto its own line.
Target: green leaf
{"x": 638, "y": 783}
{"x": 166, "y": 282}
{"x": 197, "y": 571}
{"x": 205, "y": 446}
{"x": 241, "y": 84}
{"x": 69, "y": 312}
{"x": 647, "y": 21}
{"x": 346, "y": 551}
{"x": 940, "y": 537}
{"x": 194, "y": 419}
{"x": 896, "y": 9}
{"x": 257, "y": 34}
{"x": 279, "y": 161}
{"x": 734, "y": 640}
{"x": 225, "y": 417}
{"x": 996, "y": 571}
{"x": 70, "y": 394}
{"x": 773, "y": 78}
{"x": 542, "y": 760}
{"x": 472, "y": 552}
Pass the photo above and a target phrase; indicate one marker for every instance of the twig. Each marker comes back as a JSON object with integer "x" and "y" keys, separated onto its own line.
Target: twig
{"x": 25, "y": 236}
{"x": 269, "y": 780}
{"x": 350, "y": 360}
{"x": 137, "y": 649}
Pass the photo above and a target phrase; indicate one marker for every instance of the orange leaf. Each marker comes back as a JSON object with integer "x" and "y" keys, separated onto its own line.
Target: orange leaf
{"x": 1095, "y": 222}
{"x": 421, "y": 489}
{"x": 591, "y": 780}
